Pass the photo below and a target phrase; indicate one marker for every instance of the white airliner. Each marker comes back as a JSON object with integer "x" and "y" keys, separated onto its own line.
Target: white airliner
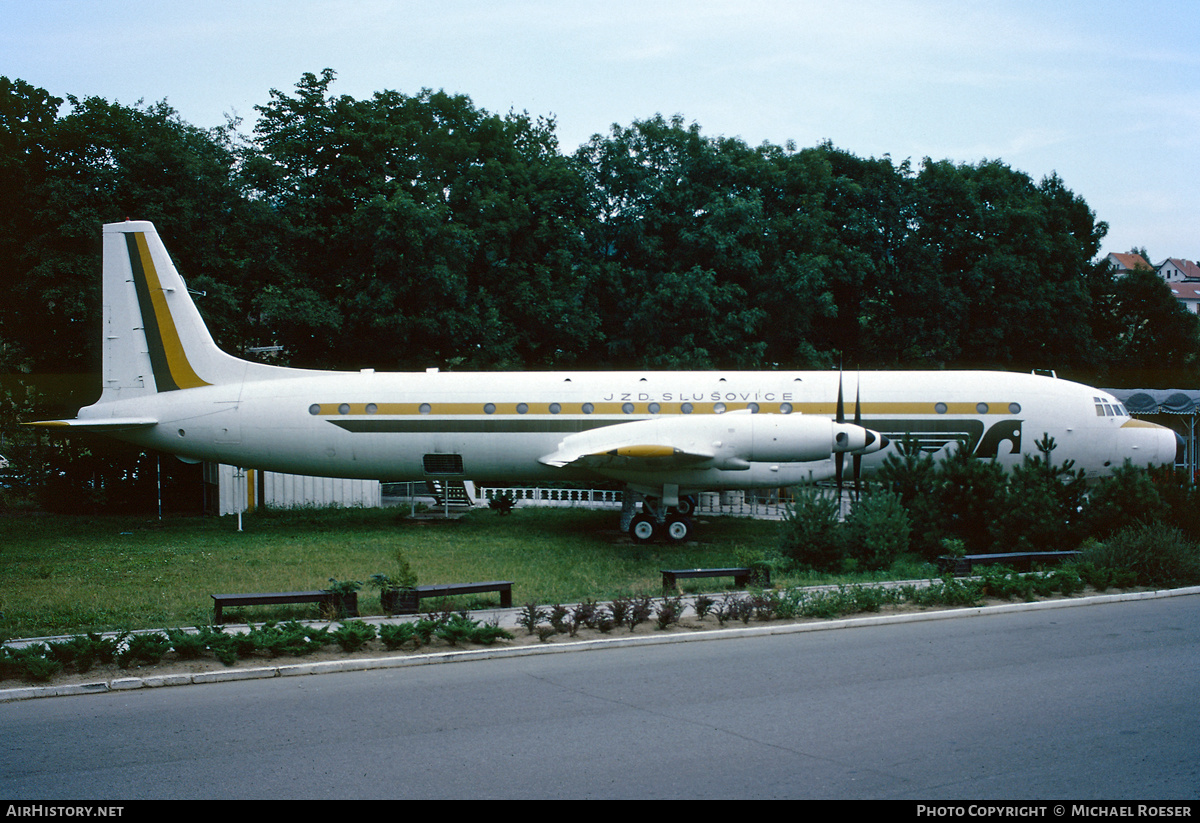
{"x": 665, "y": 435}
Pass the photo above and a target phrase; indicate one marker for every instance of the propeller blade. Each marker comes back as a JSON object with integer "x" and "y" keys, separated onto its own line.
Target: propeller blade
{"x": 839, "y": 458}
{"x": 858, "y": 422}
{"x": 839, "y": 462}
{"x": 841, "y": 408}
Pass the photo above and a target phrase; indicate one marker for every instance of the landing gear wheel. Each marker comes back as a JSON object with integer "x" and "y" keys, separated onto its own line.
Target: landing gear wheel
{"x": 687, "y": 506}
{"x": 678, "y": 529}
{"x": 642, "y": 529}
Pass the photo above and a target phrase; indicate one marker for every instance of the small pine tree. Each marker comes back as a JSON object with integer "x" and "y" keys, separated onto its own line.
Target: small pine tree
{"x": 877, "y": 530}
{"x": 810, "y": 534}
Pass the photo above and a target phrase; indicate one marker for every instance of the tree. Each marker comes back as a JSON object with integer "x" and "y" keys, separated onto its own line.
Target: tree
{"x": 27, "y": 115}
{"x": 103, "y": 162}
{"x": 420, "y": 230}
{"x": 738, "y": 225}
{"x": 1010, "y": 257}
{"x": 1149, "y": 337}
{"x": 1040, "y": 505}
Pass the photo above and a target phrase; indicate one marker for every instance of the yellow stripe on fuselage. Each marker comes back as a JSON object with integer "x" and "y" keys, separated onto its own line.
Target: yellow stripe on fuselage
{"x": 630, "y": 408}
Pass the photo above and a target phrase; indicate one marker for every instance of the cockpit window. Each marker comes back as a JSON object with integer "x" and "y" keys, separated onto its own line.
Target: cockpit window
{"x": 1109, "y": 408}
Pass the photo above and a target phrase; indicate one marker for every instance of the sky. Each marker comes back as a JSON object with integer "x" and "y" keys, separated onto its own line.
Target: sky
{"x": 1105, "y": 93}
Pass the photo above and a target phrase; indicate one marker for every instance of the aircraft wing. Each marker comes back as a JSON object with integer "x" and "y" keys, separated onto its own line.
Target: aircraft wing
{"x": 637, "y": 446}
{"x": 729, "y": 442}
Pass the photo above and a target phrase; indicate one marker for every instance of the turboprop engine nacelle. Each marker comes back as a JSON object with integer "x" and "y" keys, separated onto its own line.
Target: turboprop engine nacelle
{"x": 794, "y": 438}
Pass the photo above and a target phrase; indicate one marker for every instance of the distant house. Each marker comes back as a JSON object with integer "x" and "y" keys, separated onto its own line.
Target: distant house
{"x": 1182, "y": 276}
{"x": 1127, "y": 262}
{"x": 1187, "y": 292}
{"x": 1174, "y": 270}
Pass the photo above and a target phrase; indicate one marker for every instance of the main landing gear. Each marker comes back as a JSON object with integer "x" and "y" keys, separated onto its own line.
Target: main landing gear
{"x": 656, "y": 521}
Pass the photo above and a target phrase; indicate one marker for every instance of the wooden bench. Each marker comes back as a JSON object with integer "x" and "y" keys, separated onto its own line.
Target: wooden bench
{"x": 741, "y": 577}
{"x": 1017, "y": 561}
{"x": 504, "y": 587}
{"x": 220, "y": 601}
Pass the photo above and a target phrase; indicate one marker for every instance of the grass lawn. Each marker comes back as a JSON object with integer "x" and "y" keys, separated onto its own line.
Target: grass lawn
{"x": 67, "y": 575}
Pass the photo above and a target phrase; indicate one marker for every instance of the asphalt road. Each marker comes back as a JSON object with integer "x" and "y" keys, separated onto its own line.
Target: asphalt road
{"x": 1093, "y": 702}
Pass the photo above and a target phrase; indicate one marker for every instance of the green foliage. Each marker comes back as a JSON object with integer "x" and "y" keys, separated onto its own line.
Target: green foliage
{"x": 531, "y": 617}
{"x": 878, "y": 529}
{"x": 967, "y": 500}
{"x": 418, "y": 229}
{"x": 1040, "y": 504}
{"x": 948, "y": 591}
{"x": 398, "y": 635}
{"x": 402, "y": 578}
{"x": 143, "y": 647}
{"x": 352, "y": 635}
{"x": 289, "y": 639}
{"x": 810, "y": 534}
{"x": 32, "y": 662}
{"x": 343, "y": 587}
{"x": 1126, "y": 498}
{"x": 1180, "y": 497}
{"x": 668, "y": 612}
{"x": 188, "y": 645}
{"x": 502, "y": 504}
{"x": 1149, "y": 554}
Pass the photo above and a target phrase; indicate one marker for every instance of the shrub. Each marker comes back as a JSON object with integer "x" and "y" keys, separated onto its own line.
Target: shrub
{"x": 966, "y": 500}
{"x": 188, "y": 645}
{"x": 83, "y": 651}
{"x": 1040, "y": 505}
{"x": 397, "y": 635}
{"x": 668, "y": 612}
{"x": 877, "y": 530}
{"x": 488, "y": 633}
{"x": 639, "y": 611}
{"x": 143, "y": 648}
{"x": 291, "y": 639}
{"x": 584, "y": 614}
{"x": 1151, "y": 554}
{"x": 353, "y": 635}
{"x": 912, "y": 474}
{"x": 1127, "y": 498}
{"x": 948, "y": 591}
{"x": 810, "y": 534}
{"x": 33, "y": 663}
{"x": 531, "y": 615}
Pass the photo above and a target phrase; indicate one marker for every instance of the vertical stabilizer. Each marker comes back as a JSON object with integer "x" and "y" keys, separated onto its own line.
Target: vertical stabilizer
{"x": 154, "y": 338}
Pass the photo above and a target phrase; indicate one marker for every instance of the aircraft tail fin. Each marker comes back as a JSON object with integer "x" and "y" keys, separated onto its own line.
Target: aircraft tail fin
{"x": 154, "y": 337}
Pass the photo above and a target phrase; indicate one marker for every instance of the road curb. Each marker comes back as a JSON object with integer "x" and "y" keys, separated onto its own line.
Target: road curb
{"x": 434, "y": 658}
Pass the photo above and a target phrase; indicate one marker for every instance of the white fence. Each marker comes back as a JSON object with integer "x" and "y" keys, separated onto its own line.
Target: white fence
{"x": 764, "y": 504}
{"x": 241, "y": 490}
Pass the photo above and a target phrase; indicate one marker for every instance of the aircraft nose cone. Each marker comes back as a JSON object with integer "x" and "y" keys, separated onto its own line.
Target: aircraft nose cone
{"x": 1149, "y": 444}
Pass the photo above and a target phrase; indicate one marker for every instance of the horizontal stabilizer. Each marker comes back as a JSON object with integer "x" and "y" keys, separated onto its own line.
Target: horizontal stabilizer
{"x": 99, "y": 424}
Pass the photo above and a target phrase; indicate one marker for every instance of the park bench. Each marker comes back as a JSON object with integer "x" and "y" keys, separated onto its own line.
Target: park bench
{"x": 741, "y": 576}
{"x": 504, "y": 587}
{"x": 1017, "y": 561}
{"x": 220, "y": 601}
